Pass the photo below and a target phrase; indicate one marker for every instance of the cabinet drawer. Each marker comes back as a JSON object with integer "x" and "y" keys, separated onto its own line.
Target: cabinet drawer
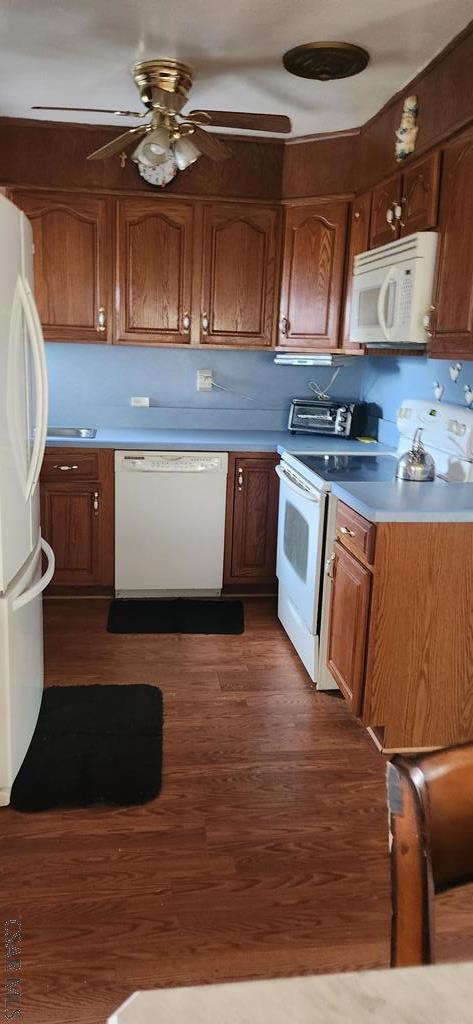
{"x": 355, "y": 532}
{"x": 63, "y": 464}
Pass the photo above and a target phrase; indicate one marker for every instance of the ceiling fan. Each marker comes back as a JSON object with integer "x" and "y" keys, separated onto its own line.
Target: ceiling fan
{"x": 170, "y": 140}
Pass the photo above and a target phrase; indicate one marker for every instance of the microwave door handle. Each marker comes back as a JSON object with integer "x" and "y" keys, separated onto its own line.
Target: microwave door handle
{"x": 381, "y": 304}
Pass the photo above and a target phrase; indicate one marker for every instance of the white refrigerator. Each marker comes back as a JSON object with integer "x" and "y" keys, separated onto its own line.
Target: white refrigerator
{"x": 23, "y": 426}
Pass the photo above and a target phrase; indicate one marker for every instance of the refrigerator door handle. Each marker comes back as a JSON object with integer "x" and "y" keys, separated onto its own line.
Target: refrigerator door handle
{"x": 37, "y": 588}
{"x": 41, "y": 376}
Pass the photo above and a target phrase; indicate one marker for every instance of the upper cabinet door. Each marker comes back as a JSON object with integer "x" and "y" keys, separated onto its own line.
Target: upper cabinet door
{"x": 154, "y": 268}
{"x": 384, "y": 226}
{"x": 420, "y": 195}
{"x": 239, "y": 274}
{"x": 72, "y": 264}
{"x": 312, "y": 278}
{"x": 359, "y": 240}
{"x": 453, "y": 303}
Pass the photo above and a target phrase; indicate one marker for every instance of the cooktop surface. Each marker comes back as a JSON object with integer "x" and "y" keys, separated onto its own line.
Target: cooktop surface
{"x": 351, "y": 467}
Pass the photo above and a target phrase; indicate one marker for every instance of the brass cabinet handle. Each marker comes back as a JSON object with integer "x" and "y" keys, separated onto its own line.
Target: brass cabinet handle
{"x": 428, "y": 322}
{"x": 101, "y": 320}
{"x": 95, "y": 503}
{"x": 398, "y": 207}
{"x": 186, "y": 323}
{"x": 390, "y": 217}
{"x": 329, "y": 566}
{"x": 240, "y": 478}
{"x": 347, "y": 532}
{"x": 65, "y": 469}
{"x": 284, "y": 326}
{"x": 205, "y": 323}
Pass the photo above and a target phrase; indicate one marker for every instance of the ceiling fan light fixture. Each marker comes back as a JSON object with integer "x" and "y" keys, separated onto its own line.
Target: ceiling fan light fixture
{"x": 185, "y": 153}
{"x": 143, "y": 154}
{"x": 159, "y": 140}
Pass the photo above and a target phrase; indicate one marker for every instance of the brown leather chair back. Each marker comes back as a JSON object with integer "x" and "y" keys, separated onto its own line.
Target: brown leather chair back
{"x": 430, "y": 800}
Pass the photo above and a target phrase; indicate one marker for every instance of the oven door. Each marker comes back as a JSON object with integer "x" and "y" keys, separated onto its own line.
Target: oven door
{"x": 300, "y": 542}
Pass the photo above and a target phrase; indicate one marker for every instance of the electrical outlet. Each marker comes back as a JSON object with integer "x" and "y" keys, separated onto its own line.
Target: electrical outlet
{"x": 139, "y": 401}
{"x": 204, "y": 380}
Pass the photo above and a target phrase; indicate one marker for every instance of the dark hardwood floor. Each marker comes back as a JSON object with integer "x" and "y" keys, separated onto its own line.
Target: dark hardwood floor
{"x": 265, "y": 855}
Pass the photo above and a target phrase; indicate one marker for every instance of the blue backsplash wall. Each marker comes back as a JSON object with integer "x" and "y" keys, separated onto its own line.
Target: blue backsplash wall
{"x": 387, "y": 381}
{"x": 91, "y": 385}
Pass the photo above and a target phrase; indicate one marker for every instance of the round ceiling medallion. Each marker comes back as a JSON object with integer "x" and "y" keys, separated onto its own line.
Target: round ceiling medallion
{"x": 326, "y": 61}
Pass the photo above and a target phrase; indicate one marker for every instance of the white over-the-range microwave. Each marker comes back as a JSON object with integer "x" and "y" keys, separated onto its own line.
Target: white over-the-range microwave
{"x": 392, "y": 292}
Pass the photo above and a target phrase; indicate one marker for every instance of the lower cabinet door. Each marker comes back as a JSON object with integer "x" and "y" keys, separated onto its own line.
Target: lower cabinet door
{"x": 348, "y": 625}
{"x": 71, "y": 525}
{"x": 251, "y": 527}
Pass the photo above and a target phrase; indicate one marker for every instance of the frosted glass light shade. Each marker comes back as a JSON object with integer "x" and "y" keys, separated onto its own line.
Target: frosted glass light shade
{"x": 185, "y": 153}
{"x": 153, "y": 149}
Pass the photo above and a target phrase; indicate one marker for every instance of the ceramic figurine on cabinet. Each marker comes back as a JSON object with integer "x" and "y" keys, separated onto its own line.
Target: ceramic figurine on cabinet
{"x": 455, "y": 370}
{"x": 468, "y": 394}
{"x": 438, "y": 390}
{"x": 406, "y": 135}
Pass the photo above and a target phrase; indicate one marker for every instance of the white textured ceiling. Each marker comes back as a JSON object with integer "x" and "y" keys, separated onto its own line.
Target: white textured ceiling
{"x": 79, "y": 52}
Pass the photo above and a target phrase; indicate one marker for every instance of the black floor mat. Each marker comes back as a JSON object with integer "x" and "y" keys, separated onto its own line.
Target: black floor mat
{"x": 93, "y": 744}
{"x": 179, "y": 615}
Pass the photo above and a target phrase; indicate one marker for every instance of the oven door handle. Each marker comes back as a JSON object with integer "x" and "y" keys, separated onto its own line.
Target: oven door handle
{"x": 310, "y": 495}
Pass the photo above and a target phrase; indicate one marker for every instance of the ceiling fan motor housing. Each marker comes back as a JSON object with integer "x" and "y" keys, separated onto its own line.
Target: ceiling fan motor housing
{"x": 163, "y": 84}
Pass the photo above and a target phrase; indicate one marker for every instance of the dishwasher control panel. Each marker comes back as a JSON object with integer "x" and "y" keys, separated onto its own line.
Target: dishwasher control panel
{"x": 170, "y": 462}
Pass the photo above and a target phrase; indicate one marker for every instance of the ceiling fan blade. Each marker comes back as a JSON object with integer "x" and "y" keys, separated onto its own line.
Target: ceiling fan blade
{"x": 246, "y": 121}
{"x": 209, "y": 145}
{"x": 120, "y": 143}
{"x": 97, "y": 110}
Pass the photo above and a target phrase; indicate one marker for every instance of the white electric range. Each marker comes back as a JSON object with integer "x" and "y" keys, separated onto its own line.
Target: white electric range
{"x": 307, "y": 510}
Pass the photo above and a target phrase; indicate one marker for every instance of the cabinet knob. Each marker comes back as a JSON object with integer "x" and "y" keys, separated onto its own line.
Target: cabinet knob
{"x": 95, "y": 503}
{"x": 205, "y": 323}
{"x": 240, "y": 478}
{"x": 347, "y": 532}
{"x": 186, "y": 323}
{"x": 65, "y": 469}
{"x": 101, "y": 320}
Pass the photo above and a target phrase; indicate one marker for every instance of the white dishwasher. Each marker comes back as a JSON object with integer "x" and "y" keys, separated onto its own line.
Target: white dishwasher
{"x": 169, "y": 523}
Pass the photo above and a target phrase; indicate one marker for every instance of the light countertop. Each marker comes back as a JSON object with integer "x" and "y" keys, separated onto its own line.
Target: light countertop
{"x": 414, "y": 995}
{"x": 400, "y": 501}
{"x": 216, "y": 440}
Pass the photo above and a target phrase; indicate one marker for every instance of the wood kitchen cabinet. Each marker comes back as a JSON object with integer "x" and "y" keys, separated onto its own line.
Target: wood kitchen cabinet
{"x": 77, "y": 516}
{"x": 406, "y": 202}
{"x": 386, "y": 196}
{"x": 400, "y": 638}
{"x": 72, "y": 263}
{"x": 420, "y": 195}
{"x": 251, "y": 521}
{"x": 351, "y": 585}
{"x": 239, "y": 274}
{"x": 312, "y": 275}
{"x": 358, "y": 241}
{"x": 155, "y": 242}
{"x": 452, "y": 319}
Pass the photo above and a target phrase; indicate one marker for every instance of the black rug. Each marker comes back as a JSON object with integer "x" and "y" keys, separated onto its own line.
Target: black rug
{"x": 179, "y": 615}
{"x": 93, "y": 744}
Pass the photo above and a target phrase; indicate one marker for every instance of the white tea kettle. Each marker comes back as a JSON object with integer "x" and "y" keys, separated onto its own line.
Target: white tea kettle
{"x": 416, "y": 464}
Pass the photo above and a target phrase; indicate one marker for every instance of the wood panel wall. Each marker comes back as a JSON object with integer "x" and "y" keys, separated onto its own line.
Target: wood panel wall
{"x": 53, "y": 155}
